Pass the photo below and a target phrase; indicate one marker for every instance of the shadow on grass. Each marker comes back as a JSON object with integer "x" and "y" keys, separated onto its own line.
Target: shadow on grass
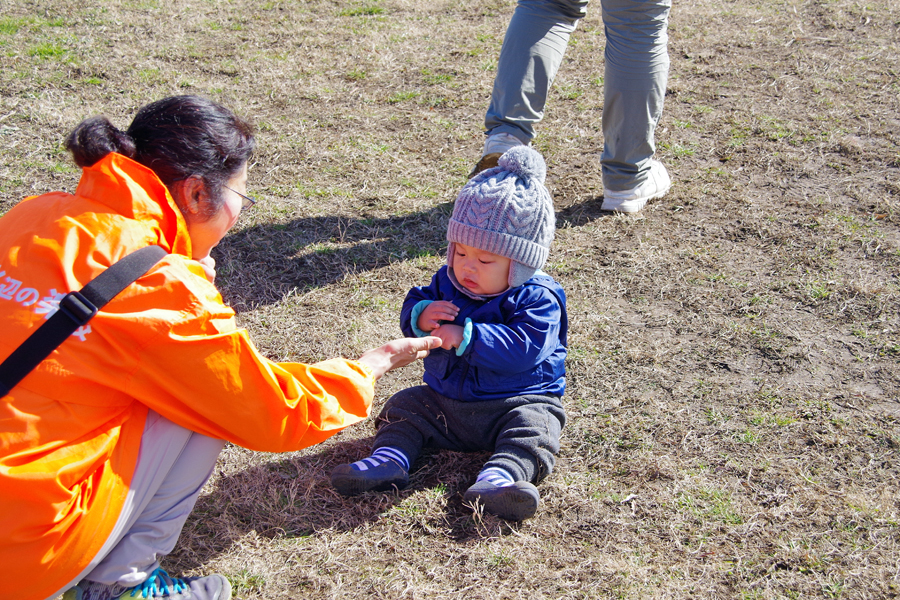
{"x": 292, "y": 498}
{"x": 581, "y": 214}
{"x": 262, "y": 264}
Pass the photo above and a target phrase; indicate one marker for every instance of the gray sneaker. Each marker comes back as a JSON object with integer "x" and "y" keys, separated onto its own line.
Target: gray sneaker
{"x": 158, "y": 585}
{"x": 633, "y": 200}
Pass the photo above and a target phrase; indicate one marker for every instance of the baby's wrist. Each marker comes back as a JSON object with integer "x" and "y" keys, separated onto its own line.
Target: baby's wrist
{"x": 414, "y": 318}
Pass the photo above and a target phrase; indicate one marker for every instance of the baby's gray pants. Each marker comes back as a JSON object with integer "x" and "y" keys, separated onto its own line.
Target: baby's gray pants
{"x": 522, "y": 432}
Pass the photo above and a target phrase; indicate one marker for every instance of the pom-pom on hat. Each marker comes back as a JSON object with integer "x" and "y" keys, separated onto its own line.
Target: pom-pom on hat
{"x": 507, "y": 211}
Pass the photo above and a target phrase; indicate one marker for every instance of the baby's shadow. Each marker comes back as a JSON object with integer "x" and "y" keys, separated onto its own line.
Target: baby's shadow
{"x": 294, "y": 498}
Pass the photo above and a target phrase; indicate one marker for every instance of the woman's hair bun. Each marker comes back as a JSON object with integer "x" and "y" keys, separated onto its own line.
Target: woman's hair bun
{"x": 96, "y": 137}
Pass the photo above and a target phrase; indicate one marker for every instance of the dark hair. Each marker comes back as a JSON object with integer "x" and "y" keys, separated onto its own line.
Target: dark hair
{"x": 177, "y": 137}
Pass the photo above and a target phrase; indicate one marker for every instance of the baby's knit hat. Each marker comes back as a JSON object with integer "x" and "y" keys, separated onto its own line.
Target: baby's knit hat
{"x": 507, "y": 211}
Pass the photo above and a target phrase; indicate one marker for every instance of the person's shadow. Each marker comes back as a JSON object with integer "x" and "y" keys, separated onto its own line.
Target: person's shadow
{"x": 293, "y": 498}
{"x": 262, "y": 264}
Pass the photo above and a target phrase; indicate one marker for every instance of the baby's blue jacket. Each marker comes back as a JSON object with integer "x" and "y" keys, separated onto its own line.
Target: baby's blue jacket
{"x": 516, "y": 342}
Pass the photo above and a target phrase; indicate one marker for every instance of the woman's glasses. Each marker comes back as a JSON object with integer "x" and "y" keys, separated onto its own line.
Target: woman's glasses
{"x": 248, "y": 201}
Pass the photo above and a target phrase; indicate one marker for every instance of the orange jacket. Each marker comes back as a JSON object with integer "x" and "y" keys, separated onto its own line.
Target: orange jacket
{"x": 70, "y": 431}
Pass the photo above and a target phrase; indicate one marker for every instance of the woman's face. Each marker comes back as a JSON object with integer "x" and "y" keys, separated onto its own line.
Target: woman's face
{"x": 205, "y": 234}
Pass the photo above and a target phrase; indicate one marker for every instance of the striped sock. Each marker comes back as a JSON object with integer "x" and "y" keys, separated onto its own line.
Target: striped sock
{"x": 495, "y": 476}
{"x": 381, "y": 456}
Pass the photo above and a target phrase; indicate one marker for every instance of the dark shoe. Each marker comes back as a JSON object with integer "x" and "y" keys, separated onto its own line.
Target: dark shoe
{"x": 514, "y": 502}
{"x": 488, "y": 161}
{"x": 350, "y": 481}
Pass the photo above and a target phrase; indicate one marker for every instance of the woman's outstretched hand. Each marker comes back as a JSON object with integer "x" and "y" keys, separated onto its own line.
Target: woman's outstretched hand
{"x": 398, "y": 353}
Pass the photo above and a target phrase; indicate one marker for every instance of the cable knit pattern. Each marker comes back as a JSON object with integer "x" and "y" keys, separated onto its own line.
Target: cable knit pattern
{"x": 528, "y": 164}
{"x": 507, "y": 211}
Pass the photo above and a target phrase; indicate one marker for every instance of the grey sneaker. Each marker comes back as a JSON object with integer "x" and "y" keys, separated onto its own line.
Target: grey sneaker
{"x": 633, "y": 200}
{"x": 158, "y": 585}
{"x": 350, "y": 481}
{"x": 514, "y": 502}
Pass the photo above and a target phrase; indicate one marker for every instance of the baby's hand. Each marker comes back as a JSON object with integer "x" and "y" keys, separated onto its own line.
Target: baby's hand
{"x": 441, "y": 310}
{"x": 451, "y": 335}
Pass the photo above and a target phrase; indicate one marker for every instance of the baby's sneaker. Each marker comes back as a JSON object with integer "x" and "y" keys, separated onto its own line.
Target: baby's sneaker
{"x": 350, "y": 480}
{"x": 515, "y": 501}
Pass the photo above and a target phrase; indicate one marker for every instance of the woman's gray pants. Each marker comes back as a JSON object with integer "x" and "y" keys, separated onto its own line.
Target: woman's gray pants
{"x": 173, "y": 465}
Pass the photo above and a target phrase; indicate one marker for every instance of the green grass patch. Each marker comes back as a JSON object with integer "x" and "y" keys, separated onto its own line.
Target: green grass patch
{"x": 47, "y": 51}
{"x": 11, "y": 26}
{"x": 402, "y": 97}
{"x": 709, "y": 504}
{"x": 366, "y": 10}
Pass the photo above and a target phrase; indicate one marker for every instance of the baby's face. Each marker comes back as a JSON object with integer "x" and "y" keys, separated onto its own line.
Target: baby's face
{"x": 482, "y": 273}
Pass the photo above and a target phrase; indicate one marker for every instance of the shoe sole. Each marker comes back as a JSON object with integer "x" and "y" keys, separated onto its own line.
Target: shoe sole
{"x": 515, "y": 502}
{"x": 488, "y": 161}
{"x": 631, "y": 205}
{"x": 225, "y": 593}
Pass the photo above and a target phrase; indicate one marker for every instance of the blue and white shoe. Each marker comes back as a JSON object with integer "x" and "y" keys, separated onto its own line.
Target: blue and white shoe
{"x": 158, "y": 585}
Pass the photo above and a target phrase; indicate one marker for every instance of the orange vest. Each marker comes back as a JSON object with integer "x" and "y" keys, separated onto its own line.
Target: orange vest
{"x": 70, "y": 431}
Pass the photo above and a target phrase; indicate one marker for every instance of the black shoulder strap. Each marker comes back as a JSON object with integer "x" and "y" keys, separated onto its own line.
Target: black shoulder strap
{"x": 75, "y": 309}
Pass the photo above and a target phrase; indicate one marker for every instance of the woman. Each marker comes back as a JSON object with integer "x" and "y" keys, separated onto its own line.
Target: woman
{"x": 105, "y": 446}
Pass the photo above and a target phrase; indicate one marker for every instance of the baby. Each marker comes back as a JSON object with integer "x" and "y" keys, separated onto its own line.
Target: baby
{"x": 496, "y": 382}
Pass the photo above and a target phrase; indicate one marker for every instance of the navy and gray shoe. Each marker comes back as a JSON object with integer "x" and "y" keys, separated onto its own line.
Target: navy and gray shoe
{"x": 350, "y": 480}
{"x": 516, "y": 501}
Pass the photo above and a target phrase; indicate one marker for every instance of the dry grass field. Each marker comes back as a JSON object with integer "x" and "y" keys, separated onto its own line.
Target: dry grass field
{"x": 734, "y": 360}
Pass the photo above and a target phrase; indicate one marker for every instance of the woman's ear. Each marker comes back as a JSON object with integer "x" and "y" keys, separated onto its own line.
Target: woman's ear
{"x": 190, "y": 195}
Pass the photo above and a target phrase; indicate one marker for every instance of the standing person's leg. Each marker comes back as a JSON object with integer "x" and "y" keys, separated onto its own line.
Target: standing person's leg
{"x": 636, "y": 71}
{"x": 532, "y": 51}
{"x": 173, "y": 465}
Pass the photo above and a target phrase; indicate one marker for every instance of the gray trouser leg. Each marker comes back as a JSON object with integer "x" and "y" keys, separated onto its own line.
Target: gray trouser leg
{"x": 532, "y": 51}
{"x": 173, "y": 466}
{"x": 636, "y": 72}
{"x": 528, "y": 442}
{"x": 634, "y": 86}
